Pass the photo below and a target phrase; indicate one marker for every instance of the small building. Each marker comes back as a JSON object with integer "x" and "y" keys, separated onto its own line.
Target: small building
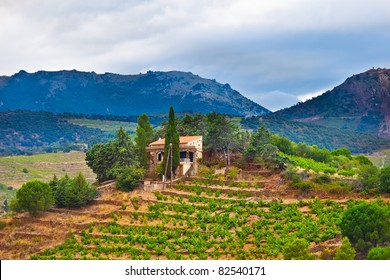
{"x": 191, "y": 148}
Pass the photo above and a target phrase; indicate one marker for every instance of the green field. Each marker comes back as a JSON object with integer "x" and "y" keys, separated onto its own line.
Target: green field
{"x": 111, "y": 127}
{"x": 17, "y": 170}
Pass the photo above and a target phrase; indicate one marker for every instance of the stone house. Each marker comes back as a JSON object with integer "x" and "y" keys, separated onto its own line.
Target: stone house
{"x": 191, "y": 148}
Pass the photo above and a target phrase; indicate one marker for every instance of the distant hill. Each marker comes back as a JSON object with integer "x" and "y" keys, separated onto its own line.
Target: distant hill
{"x": 361, "y": 104}
{"x": 123, "y": 95}
{"x": 26, "y": 132}
{"x": 323, "y": 137}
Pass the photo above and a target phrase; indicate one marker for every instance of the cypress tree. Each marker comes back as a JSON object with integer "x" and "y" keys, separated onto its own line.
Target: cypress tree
{"x": 143, "y": 138}
{"x": 171, "y": 136}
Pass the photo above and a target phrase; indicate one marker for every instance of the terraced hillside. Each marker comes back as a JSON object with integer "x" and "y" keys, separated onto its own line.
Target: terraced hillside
{"x": 17, "y": 170}
{"x": 194, "y": 219}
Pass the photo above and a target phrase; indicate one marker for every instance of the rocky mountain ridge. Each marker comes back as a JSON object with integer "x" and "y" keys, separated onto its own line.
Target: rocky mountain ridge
{"x": 361, "y": 103}
{"x": 150, "y": 93}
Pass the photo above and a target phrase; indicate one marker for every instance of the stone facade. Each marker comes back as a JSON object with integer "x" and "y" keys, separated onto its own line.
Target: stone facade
{"x": 191, "y": 148}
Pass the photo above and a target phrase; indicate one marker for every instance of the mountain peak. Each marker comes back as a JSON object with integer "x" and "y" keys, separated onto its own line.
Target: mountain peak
{"x": 361, "y": 103}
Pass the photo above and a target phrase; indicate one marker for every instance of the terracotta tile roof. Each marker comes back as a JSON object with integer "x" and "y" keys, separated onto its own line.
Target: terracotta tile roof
{"x": 183, "y": 140}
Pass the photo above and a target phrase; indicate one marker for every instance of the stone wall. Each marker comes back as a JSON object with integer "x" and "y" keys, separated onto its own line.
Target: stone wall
{"x": 149, "y": 185}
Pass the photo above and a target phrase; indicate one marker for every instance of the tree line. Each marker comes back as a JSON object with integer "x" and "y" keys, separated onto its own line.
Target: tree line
{"x": 37, "y": 196}
{"x": 127, "y": 161}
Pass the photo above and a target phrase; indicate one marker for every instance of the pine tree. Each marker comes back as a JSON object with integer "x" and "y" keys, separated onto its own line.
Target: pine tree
{"x": 143, "y": 138}
{"x": 171, "y": 137}
{"x": 124, "y": 150}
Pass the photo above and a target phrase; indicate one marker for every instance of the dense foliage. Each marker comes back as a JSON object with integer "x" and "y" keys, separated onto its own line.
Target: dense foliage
{"x": 221, "y": 135}
{"x": 384, "y": 178}
{"x": 382, "y": 253}
{"x": 273, "y": 150}
{"x": 257, "y": 142}
{"x": 297, "y": 250}
{"x": 70, "y": 192}
{"x": 103, "y": 159}
{"x": 34, "y": 197}
{"x": 129, "y": 177}
{"x": 346, "y": 251}
{"x": 374, "y": 179}
{"x": 191, "y": 124}
{"x": 367, "y": 225}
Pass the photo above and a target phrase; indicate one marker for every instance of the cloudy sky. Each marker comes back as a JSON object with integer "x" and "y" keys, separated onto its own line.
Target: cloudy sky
{"x": 274, "y": 52}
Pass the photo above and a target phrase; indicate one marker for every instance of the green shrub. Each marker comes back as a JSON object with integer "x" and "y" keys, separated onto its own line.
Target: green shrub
{"x": 369, "y": 177}
{"x": 232, "y": 172}
{"x": 304, "y": 185}
{"x": 330, "y": 170}
{"x": 298, "y": 249}
{"x": 25, "y": 170}
{"x": 367, "y": 224}
{"x": 348, "y": 173}
{"x": 382, "y": 253}
{"x": 204, "y": 171}
{"x": 384, "y": 177}
{"x": 309, "y": 163}
{"x": 335, "y": 188}
{"x": 34, "y": 197}
{"x": 70, "y": 192}
{"x": 363, "y": 160}
{"x": 322, "y": 179}
{"x": 159, "y": 170}
{"x": 327, "y": 254}
{"x": 129, "y": 177}
{"x": 346, "y": 251}
{"x": 135, "y": 215}
{"x": 342, "y": 152}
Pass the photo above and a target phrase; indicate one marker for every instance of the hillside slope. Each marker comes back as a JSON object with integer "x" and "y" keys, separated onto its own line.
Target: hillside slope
{"x": 361, "y": 103}
{"x": 124, "y": 95}
{"x": 26, "y": 132}
{"x": 323, "y": 137}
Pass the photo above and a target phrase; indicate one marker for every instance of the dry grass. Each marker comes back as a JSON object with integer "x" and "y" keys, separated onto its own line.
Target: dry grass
{"x": 42, "y": 167}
